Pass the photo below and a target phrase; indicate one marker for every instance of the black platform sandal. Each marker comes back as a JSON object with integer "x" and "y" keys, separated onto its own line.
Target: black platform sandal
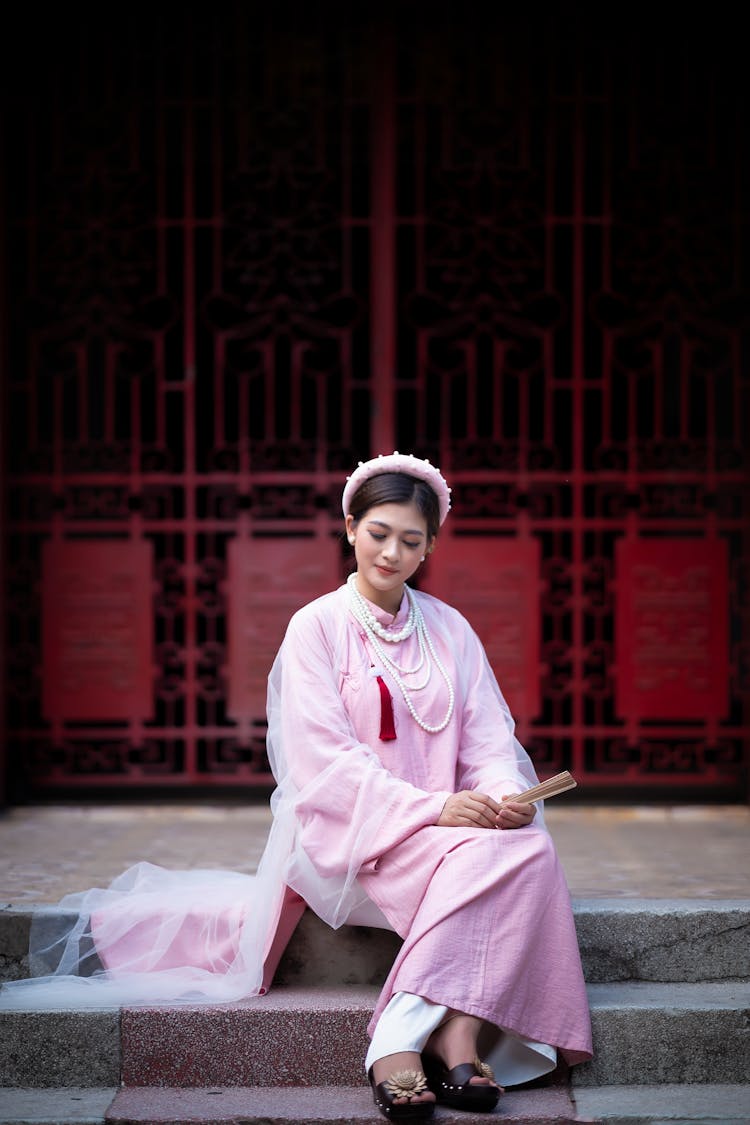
{"x": 454, "y": 1087}
{"x": 401, "y": 1084}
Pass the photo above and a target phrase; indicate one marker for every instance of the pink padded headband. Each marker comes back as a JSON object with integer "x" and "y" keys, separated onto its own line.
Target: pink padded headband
{"x": 396, "y": 462}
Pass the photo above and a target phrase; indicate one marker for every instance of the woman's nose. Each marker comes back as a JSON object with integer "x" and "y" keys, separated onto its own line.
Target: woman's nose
{"x": 390, "y": 549}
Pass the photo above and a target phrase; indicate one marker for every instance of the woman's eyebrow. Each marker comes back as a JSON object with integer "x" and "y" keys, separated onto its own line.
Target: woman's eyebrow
{"x": 387, "y": 527}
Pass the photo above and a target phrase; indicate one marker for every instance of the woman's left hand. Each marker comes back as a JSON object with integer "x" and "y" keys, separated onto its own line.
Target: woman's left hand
{"x": 514, "y": 814}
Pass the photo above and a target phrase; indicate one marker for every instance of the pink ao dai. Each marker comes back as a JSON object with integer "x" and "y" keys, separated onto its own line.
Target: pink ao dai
{"x": 485, "y": 914}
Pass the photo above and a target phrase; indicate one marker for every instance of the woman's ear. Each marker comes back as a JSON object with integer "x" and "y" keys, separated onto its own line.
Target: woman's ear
{"x": 428, "y": 549}
{"x": 350, "y": 525}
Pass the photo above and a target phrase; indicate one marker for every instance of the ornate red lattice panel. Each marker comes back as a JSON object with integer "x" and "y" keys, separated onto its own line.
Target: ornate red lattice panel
{"x": 97, "y": 644}
{"x": 267, "y": 581}
{"x": 672, "y": 629}
{"x": 496, "y": 584}
{"x": 557, "y": 358}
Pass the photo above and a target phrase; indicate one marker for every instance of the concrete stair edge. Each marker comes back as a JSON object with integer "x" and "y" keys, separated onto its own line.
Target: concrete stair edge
{"x": 722, "y": 1103}
{"x": 64, "y": 1105}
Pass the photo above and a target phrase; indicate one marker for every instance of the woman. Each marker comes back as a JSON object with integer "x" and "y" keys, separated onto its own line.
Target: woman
{"x": 393, "y": 750}
{"x": 390, "y": 738}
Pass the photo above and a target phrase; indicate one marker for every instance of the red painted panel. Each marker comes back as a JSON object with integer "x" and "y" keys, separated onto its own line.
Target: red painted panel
{"x": 495, "y": 583}
{"x": 268, "y": 579}
{"x": 672, "y": 629}
{"x": 97, "y": 639}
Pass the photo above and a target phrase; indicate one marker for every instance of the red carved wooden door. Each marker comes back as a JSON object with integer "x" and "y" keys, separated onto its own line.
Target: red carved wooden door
{"x": 269, "y": 248}
{"x": 566, "y": 241}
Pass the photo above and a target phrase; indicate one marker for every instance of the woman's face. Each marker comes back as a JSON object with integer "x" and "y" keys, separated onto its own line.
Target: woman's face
{"x": 389, "y": 542}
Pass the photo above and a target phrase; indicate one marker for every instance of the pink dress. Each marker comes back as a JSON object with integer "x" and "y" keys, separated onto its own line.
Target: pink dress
{"x": 485, "y": 914}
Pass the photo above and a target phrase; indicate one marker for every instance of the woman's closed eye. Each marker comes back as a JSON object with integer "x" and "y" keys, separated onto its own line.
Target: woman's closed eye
{"x": 406, "y": 542}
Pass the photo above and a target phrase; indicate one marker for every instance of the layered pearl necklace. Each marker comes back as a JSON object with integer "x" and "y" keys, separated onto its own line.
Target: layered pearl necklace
{"x": 414, "y": 622}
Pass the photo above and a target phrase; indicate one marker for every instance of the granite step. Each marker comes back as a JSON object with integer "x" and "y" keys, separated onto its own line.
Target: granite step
{"x": 643, "y": 1033}
{"x": 612, "y": 1105}
{"x": 60, "y": 1048}
{"x": 348, "y": 1104}
{"x": 657, "y": 1033}
{"x": 250, "y": 1105}
{"x": 620, "y": 939}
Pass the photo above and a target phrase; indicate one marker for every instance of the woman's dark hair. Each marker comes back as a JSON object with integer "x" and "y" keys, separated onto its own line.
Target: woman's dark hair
{"x": 397, "y": 488}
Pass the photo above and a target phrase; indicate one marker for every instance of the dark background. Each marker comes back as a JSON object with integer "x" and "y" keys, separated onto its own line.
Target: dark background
{"x": 244, "y": 246}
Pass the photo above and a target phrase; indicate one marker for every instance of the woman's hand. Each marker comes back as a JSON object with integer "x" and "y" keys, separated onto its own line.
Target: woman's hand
{"x": 469, "y": 809}
{"x": 514, "y": 814}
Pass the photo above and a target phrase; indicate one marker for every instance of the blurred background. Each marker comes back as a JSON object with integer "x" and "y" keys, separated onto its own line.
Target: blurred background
{"x": 244, "y": 246}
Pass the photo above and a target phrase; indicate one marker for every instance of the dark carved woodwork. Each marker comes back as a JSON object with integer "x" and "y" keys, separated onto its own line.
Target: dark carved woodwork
{"x": 249, "y": 248}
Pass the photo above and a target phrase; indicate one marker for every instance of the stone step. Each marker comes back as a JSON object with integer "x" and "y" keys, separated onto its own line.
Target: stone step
{"x": 343, "y": 1104}
{"x": 54, "y": 1048}
{"x": 643, "y": 1032}
{"x": 665, "y": 1033}
{"x": 617, "y": 1105}
{"x": 65, "y": 1105}
{"x": 620, "y": 939}
{"x": 677, "y": 940}
{"x": 666, "y": 1104}
{"x": 250, "y": 1105}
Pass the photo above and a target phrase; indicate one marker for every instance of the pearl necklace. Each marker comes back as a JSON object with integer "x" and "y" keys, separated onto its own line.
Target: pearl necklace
{"x": 364, "y": 615}
{"x": 368, "y": 618}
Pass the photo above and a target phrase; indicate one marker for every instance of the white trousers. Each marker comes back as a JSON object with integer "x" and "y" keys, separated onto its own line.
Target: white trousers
{"x": 408, "y": 1021}
{"x": 406, "y": 1024}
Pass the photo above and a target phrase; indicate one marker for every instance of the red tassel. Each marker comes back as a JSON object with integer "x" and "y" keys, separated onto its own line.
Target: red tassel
{"x": 387, "y": 729}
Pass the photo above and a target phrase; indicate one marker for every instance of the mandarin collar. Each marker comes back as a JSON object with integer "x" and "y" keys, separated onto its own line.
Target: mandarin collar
{"x": 386, "y": 619}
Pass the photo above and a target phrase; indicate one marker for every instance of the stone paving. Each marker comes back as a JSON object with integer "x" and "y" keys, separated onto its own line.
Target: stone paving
{"x": 607, "y": 851}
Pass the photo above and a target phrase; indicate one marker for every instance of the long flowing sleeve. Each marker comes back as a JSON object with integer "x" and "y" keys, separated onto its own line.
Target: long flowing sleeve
{"x": 491, "y": 759}
{"x": 348, "y": 807}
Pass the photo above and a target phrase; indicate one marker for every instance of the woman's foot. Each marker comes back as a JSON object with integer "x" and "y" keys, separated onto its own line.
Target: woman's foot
{"x": 399, "y": 1086}
{"x": 455, "y": 1042}
{"x": 454, "y": 1071}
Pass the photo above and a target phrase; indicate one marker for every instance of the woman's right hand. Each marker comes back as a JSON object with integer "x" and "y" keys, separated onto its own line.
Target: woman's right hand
{"x": 469, "y": 809}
